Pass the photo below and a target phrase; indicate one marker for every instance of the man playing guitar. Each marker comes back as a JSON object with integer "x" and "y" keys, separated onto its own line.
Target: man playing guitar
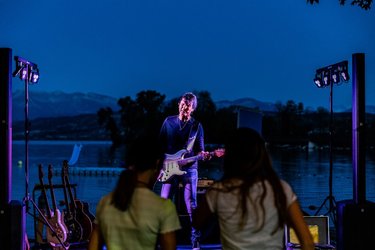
{"x": 179, "y": 132}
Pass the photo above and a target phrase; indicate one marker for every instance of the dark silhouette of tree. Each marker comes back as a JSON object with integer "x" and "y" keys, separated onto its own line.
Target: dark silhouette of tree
{"x": 150, "y": 105}
{"x": 105, "y": 118}
{"x": 141, "y": 114}
{"x": 206, "y": 113}
{"x": 290, "y": 124}
{"x": 364, "y": 4}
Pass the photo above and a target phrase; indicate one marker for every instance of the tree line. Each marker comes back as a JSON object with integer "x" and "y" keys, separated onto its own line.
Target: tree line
{"x": 290, "y": 124}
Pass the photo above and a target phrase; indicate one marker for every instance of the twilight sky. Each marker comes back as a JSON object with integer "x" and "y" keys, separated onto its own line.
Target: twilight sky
{"x": 233, "y": 49}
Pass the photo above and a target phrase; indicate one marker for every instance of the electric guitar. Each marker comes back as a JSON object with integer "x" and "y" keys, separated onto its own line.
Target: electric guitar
{"x": 173, "y": 162}
{"x": 56, "y": 211}
{"x": 58, "y": 234}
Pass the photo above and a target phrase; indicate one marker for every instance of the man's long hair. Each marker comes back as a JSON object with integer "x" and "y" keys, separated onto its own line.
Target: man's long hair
{"x": 246, "y": 158}
{"x": 141, "y": 155}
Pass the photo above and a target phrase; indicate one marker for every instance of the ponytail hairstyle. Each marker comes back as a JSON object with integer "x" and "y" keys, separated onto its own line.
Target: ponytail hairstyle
{"x": 141, "y": 155}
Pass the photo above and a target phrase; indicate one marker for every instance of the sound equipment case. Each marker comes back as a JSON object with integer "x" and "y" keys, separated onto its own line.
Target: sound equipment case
{"x": 355, "y": 225}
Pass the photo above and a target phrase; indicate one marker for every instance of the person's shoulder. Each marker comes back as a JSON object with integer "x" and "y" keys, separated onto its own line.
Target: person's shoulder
{"x": 170, "y": 118}
{"x": 286, "y": 186}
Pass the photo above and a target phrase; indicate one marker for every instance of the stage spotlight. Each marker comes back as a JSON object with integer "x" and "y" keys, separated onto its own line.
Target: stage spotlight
{"x": 335, "y": 76}
{"x": 26, "y": 70}
{"x": 326, "y": 78}
{"x": 34, "y": 76}
{"x": 344, "y": 71}
{"x": 318, "y": 80}
{"x": 24, "y": 74}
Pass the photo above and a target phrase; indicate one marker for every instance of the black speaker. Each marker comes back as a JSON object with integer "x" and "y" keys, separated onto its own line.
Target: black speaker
{"x": 355, "y": 225}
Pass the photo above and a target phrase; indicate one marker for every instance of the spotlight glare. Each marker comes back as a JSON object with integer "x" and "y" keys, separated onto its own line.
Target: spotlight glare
{"x": 34, "y": 77}
{"x": 335, "y": 76}
{"x": 345, "y": 76}
{"x": 318, "y": 82}
{"x": 326, "y": 78}
{"x": 23, "y": 74}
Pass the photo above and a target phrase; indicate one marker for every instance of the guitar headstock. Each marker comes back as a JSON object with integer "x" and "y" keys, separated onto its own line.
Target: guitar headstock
{"x": 219, "y": 152}
{"x": 50, "y": 172}
{"x": 41, "y": 174}
{"x": 65, "y": 168}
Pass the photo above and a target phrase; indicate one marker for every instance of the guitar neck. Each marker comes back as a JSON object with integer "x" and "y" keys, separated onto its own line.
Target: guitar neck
{"x": 51, "y": 188}
{"x": 44, "y": 192}
{"x": 68, "y": 211}
{"x": 188, "y": 160}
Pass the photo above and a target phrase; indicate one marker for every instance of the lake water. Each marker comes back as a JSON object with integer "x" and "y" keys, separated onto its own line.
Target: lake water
{"x": 307, "y": 172}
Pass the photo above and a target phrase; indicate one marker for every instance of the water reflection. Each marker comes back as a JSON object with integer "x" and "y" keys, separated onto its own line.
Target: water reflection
{"x": 307, "y": 172}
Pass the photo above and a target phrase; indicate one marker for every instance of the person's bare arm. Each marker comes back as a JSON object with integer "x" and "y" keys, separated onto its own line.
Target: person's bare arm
{"x": 168, "y": 241}
{"x": 96, "y": 240}
{"x": 297, "y": 222}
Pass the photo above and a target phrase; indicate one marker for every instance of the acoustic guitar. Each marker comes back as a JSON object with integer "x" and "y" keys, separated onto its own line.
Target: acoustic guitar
{"x": 75, "y": 229}
{"x": 77, "y": 207}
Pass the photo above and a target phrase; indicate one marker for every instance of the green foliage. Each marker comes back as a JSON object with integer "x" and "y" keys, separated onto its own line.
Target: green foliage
{"x": 364, "y": 4}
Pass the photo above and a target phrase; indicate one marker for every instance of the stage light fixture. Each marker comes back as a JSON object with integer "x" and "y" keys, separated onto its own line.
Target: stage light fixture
{"x": 331, "y": 74}
{"x": 335, "y": 76}
{"x": 26, "y": 70}
{"x": 24, "y": 74}
{"x": 326, "y": 78}
{"x": 344, "y": 71}
{"x": 34, "y": 76}
{"x": 318, "y": 80}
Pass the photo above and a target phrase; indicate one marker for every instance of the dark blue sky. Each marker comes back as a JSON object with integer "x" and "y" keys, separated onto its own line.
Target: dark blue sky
{"x": 233, "y": 49}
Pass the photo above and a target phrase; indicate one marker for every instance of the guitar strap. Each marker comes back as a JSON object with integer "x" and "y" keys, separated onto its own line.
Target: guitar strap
{"x": 192, "y": 135}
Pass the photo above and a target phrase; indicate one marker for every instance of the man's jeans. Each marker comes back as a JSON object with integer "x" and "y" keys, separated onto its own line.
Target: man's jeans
{"x": 190, "y": 183}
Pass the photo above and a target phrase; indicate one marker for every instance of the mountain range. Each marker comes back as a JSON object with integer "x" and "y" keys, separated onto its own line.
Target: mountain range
{"x": 58, "y": 103}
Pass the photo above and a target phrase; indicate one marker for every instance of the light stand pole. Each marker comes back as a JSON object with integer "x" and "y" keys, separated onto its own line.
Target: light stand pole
{"x": 330, "y": 198}
{"x": 324, "y": 77}
{"x": 29, "y": 72}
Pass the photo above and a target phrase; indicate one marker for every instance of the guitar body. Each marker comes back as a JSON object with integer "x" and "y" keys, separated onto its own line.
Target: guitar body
{"x": 171, "y": 166}
{"x": 82, "y": 218}
{"x": 74, "y": 228}
{"x": 58, "y": 234}
{"x": 86, "y": 209}
{"x": 173, "y": 163}
{"x": 75, "y": 207}
{"x": 56, "y": 221}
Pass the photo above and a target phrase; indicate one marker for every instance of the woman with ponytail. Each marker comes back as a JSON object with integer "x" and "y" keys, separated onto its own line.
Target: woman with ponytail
{"x": 133, "y": 216}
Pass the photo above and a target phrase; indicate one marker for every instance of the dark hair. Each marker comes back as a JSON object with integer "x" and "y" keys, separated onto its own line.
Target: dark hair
{"x": 246, "y": 158}
{"x": 191, "y": 98}
{"x": 141, "y": 155}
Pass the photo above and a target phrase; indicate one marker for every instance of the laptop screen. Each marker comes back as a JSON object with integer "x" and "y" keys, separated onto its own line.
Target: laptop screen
{"x": 319, "y": 229}
{"x": 314, "y": 230}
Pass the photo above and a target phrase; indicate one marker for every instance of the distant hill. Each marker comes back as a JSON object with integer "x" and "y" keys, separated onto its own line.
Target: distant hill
{"x": 249, "y": 103}
{"x": 58, "y": 104}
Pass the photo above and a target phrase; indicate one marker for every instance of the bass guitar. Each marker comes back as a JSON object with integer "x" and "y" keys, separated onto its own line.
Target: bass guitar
{"x": 57, "y": 234}
{"x": 78, "y": 207}
{"x": 173, "y": 163}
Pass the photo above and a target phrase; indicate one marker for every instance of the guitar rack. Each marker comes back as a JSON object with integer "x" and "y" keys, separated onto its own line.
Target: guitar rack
{"x": 40, "y": 240}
